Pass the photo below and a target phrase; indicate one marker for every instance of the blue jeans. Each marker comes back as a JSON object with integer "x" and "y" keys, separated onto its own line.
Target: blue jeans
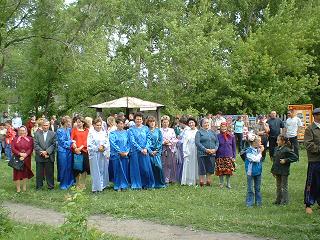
{"x": 1, "y": 149}
{"x": 8, "y": 151}
{"x": 253, "y": 197}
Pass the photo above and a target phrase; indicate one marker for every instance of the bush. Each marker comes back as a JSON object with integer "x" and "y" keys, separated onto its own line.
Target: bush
{"x": 76, "y": 223}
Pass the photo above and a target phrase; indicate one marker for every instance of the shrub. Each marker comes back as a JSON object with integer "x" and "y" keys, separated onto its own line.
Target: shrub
{"x": 76, "y": 223}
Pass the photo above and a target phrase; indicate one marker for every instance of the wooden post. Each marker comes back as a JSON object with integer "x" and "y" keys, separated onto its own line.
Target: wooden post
{"x": 99, "y": 112}
{"x": 127, "y": 112}
{"x": 159, "y": 117}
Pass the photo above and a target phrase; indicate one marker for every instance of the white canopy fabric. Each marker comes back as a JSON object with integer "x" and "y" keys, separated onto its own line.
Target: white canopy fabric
{"x": 129, "y": 102}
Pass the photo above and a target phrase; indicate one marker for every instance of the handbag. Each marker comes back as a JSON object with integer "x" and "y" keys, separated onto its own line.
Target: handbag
{"x": 16, "y": 163}
{"x": 78, "y": 162}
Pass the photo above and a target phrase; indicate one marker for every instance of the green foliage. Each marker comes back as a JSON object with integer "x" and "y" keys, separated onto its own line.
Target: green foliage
{"x": 208, "y": 208}
{"x": 244, "y": 56}
{"x": 76, "y": 223}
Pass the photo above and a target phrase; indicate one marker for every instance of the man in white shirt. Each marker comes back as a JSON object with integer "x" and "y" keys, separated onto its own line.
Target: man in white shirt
{"x": 218, "y": 120}
{"x": 16, "y": 122}
{"x": 292, "y": 127}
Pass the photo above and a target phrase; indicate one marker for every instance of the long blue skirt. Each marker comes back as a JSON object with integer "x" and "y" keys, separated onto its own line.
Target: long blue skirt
{"x": 141, "y": 174}
{"x": 111, "y": 170}
{"x": 121, "y": 172}
{"x": 157, "y": 171}
{"x": 65, "y": 169}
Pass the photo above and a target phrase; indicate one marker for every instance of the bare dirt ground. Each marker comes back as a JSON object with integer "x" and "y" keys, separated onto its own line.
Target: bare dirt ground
{"x": 137, "y": 229}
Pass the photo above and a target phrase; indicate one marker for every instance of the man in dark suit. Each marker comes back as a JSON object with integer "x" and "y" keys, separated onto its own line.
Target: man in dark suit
{"x": 44, "y": 146}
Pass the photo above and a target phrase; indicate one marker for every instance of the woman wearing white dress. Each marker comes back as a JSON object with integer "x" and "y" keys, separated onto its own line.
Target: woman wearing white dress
{"x": 190, "y": 174}
{"x": 99, "y": 153}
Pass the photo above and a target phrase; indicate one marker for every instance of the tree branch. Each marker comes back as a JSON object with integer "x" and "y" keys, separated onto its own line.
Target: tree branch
{"x": 21, "y": 21}
{"x": 15, "y": 9}
{"x": 17, "y": 40}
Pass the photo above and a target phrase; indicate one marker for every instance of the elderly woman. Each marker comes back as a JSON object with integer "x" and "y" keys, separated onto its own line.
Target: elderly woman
{"x": 226, "y": 155}
{"x": 155, "y": 152}
{"x": 207, "y": 145}
{"x": 64, "y": 154}
{"x": 141, "y": 174}
{"x": 168, "y": 145}
{"x": 99, "y": 152}
{"x": 120, "y": 147}
{"x": 190, "y": 174}
{"x": 22, "y": 147}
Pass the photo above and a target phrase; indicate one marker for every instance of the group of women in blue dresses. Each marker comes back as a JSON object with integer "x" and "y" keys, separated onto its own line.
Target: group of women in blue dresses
{"x": 141, "y": 144}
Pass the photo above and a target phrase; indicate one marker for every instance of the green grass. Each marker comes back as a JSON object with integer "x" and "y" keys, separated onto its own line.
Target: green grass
{"x": 209, "y": 208}
{"x": 42, "y": 232}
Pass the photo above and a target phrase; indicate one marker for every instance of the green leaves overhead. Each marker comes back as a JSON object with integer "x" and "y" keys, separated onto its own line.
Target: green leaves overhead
{"x": 236, "y": 56}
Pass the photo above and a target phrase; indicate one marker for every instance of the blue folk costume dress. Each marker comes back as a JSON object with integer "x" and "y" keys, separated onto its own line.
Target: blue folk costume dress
{"x": 99, "y": 160}
{"x": 156, "y": 145}
{"x": 64, "y": 158}
{"x": 141, "y": 174}
{"x": 119, "y": 142}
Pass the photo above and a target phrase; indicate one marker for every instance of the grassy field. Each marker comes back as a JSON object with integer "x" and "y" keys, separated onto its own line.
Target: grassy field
{"x": 208, "y": 208}
{"x": 42, "y": 232}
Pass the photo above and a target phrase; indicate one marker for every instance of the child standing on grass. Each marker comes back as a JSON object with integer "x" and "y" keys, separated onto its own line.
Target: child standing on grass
{"x": 253, "y": 167}
{"x": 282, "y": 158}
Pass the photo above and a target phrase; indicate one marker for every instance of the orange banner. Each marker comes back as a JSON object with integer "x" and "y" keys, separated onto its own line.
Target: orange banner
{"x": 304, "y": 112}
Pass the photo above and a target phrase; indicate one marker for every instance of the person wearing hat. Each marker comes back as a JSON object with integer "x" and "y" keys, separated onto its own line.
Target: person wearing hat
{"x": 312, "y": 143}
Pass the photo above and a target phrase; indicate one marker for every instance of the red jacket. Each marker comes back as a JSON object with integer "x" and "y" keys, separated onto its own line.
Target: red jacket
{"x": 10, "y": 135}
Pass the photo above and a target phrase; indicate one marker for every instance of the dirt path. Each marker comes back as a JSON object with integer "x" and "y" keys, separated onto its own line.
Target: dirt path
{"x": 127, "y": 228}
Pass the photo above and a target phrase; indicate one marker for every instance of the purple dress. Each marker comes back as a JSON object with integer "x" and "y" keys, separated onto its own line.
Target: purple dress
{"x": 168, "y": 160}
{"x": 226, "y": 155}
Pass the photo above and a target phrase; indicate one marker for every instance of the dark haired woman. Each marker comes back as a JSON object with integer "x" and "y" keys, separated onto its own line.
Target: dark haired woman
{"x": 155, "y": 152}
{"x": 64, "y": 154}
{"x": 120, "y": 147}
{"x": 141, "y": 174}
{"x": 80, "y": 149}
{"x": 190, "y": 174}
{"x": 282, "y": 158}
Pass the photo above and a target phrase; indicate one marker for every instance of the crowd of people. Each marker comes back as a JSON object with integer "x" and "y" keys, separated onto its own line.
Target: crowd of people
{"x": 136, "y": 153}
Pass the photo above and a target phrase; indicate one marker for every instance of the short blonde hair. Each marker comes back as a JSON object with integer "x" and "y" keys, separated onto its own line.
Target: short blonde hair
{"x": 88, "y": 120}
{"x": 111, "y": 121}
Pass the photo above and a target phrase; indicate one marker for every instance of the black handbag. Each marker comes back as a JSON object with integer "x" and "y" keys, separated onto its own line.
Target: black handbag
{"x": 16, "y": 163}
